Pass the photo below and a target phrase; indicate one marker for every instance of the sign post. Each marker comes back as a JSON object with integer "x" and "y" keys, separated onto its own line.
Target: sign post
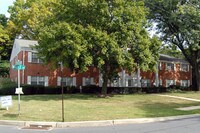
{"x": 18, "y": 66}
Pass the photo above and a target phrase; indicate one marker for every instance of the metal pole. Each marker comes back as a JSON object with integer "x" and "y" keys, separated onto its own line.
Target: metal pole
{"x": 18, "y": 93}
{"x": 61, "y": 66}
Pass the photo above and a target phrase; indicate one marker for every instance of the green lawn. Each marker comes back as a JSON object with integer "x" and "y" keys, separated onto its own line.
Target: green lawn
{"x": 90, "y": 107}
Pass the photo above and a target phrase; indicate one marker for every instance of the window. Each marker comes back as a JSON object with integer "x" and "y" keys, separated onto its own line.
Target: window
{"x": 37, "y": 80}
{"x": 67, "y": 81}
{"x": 129, "y": 82}
{"x": 88, "y": 81}
{"x": 33, "y": 57}
{"x": 184, "y": 67}
{"x": 115, "y": 82}
{"x": 185, "y": 83}
{"x": 145, "y": 82}
{"x": 41, "y": 81}
{"x": 170, "y": 82}
{"x": 33, "y": 80}
{"x": 170, "y": 66}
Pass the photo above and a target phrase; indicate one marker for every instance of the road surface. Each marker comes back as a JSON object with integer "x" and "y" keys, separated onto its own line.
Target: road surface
{"x": 190, "y": 125}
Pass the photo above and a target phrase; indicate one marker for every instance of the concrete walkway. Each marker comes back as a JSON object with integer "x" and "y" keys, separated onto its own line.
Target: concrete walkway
{"x": 189, "y": 108}
{"x": 184, "y": 98}
{"x": 177, "y": 97}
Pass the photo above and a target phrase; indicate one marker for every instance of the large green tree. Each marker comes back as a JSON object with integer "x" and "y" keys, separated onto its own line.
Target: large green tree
{"x": 179, "y": 23}
{"x": 27, "y": 17}
{"x": 5, "y": 47}
{"x": 107, "y": 34}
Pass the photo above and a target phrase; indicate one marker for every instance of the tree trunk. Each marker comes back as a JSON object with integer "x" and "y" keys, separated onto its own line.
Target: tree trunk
{"x": 105, "y": 82}
{"x": 196, "y": 74}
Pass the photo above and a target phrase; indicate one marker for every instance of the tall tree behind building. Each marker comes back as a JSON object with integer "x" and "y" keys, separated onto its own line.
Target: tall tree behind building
{"x": 179, "y": 23}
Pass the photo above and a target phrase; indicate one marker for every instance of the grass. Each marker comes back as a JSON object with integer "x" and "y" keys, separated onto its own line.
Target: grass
{"x": 89, "y": 107}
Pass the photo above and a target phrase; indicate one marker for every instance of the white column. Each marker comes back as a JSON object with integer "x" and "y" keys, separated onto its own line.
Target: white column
{"x": 138, "y": 78}
{"x": 100, "y": 80}
{"x": 157, "y": 79}
{"x": 123, "y": 78}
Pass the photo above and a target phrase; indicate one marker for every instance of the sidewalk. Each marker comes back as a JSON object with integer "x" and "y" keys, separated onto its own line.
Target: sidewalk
{"x": 94, "y": 123}
{"x": 177, "y": 97}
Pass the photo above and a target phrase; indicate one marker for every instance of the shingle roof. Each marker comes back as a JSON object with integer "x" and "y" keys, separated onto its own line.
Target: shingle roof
{"x": 171, "y": 59}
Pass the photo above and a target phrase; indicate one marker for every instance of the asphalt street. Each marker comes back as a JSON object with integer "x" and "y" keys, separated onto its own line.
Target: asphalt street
{"x": 189, "y": 125}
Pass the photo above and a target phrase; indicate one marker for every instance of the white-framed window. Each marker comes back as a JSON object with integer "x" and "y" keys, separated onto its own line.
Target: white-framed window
{"x": 129, "y": 82}
{"x": 170, "y": 82}
{"x": 145, "y": 82}
{"x": 115, "y": 82}
{"x": 88, "y": 81}
{"x": 185, "y": 83}
{"x": 184, "y": 67}
{"x": 67, "y": 81}
{"x": 170, "y": 66}
{"x": 33, "y": 57}
{"x": 37, "y": 80}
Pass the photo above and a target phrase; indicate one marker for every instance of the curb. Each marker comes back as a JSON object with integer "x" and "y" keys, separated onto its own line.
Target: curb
{"x": 95, "y": 123}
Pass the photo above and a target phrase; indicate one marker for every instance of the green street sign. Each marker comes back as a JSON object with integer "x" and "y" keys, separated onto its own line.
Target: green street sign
{"x": 18, "y": 67}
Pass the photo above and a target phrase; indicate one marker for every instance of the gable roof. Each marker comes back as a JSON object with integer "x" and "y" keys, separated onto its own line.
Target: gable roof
{"x": 20, "y": 44}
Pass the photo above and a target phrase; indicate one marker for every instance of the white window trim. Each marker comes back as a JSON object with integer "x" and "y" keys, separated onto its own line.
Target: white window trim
{"x": 59, "y": 80}
{"x": 46, "y": 80}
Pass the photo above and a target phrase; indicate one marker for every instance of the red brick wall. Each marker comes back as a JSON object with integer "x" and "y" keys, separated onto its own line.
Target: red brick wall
{"x": 164, "y": 74}
{"x": 35, "y": 69}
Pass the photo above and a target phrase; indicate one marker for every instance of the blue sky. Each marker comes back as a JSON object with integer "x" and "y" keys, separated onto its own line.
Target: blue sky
{"x": 4, "y": 4}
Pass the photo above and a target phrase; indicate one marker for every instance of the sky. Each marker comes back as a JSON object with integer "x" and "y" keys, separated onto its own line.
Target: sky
{"x": 4, "y": 4}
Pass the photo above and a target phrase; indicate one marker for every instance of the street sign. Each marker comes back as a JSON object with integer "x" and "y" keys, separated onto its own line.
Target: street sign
{"x": 18, "y": 67}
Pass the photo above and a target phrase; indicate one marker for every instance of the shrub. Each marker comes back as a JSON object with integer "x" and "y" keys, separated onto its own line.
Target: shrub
{"x": 33, "y": 89}
{"x": 124, "y": 90}
{"x": 177, "y": 88}
{"x": 7, "y": 87}
{"x": 91, "y": 89}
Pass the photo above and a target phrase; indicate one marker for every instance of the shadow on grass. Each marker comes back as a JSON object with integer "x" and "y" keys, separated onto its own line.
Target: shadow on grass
{"x": 167, "y": 109}
{"x": 11, "y": 115}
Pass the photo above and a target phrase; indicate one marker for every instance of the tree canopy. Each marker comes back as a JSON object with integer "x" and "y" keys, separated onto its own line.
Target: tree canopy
{"x": 107, "y": 34}
{"x": 179, "y": 23}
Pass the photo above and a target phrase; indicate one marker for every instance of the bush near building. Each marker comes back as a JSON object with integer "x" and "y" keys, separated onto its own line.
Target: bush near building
{"x": 7, "y": 87}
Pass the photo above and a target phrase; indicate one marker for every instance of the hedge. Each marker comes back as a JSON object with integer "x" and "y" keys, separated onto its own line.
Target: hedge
{"x": 7, "y": 87}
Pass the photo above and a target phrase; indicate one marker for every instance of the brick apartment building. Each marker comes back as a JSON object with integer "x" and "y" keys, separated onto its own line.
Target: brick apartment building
{"x": 170, "y": 71}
